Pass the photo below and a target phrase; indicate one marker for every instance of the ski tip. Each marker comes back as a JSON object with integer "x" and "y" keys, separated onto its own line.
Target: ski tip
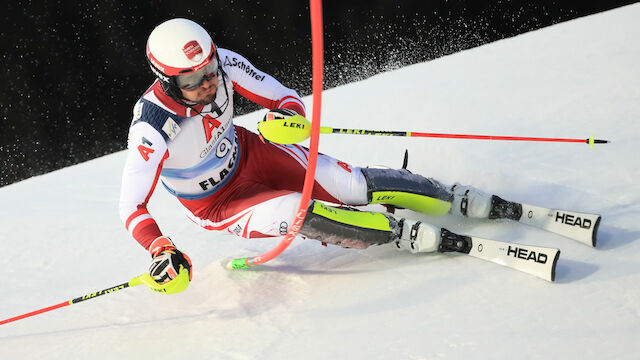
{"x": 553, "y": 267}
{"x": 594, "y": 235}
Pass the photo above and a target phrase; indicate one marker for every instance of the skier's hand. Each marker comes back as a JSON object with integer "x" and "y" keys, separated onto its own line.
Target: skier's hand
{"x": 170, "y": 268}
{"x": 279, "y": 114}
{"x": 284, "y": 126}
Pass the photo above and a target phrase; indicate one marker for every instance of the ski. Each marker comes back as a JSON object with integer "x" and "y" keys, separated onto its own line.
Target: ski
{"x": 582, "y": 227}
{"x": 533, "y": 260}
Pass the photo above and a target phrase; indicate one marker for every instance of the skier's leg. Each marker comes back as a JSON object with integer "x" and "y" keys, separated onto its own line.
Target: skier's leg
{"x": 404, "y": 189}
{"x": 272, "y": 214}
{"x": 283, "y": 167}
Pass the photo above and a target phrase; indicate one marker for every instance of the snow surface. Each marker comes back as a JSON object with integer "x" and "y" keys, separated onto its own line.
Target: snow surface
{"x": 62, "y": 237}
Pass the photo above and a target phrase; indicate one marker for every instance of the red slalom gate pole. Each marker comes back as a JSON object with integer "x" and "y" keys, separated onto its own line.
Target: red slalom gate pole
{"x": 318, "y": 63}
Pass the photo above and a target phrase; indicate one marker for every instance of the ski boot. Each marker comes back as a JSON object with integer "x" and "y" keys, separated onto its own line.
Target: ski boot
{"x": 471, "y": 202}
{"x": 417, "y": 236}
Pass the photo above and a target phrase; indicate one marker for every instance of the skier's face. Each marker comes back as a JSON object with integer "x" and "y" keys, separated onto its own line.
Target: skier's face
{"x": 203, "y": 95}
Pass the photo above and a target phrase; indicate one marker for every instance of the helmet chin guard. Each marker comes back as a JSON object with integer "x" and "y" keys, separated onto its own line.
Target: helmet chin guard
{"x": 178, "y": 47}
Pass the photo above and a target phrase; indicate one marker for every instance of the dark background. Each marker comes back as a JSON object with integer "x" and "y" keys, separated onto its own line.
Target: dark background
{"x": 72, "y": 71}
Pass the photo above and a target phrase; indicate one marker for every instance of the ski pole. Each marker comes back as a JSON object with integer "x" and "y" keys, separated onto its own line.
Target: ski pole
{"x": 329, "y": 130}
{"x": 297, "y": 128}
{"x": 138, "y": 280}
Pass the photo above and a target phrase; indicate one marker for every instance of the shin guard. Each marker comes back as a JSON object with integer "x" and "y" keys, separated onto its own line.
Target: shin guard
{"x": 404, "y": 189}
{"x": 348, "y": 227}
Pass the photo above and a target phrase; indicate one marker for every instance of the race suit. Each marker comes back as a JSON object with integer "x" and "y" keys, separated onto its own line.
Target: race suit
{"x": 225, "y": 176}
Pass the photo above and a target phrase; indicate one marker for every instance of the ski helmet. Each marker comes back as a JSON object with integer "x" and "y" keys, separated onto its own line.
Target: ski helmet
{"x": 182, "y": 55}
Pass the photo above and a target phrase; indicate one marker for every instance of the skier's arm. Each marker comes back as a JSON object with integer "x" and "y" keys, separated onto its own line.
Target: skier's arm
{"x": 146, "y": 153}
{"x": 258, "y": 86}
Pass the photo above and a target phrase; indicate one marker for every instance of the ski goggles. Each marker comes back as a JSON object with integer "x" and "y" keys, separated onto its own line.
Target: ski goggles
{"x": 195, "y": 79}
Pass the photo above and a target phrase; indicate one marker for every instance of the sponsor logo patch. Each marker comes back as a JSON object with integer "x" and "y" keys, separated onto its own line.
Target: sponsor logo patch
{"x": 344, "y": 166}
{"x": 215, "y": 180}
{"x": 193, "y": 51}
{"x": 171, "y": 128}
{"x": 210, "y": 124}
{"x": 160, "y": 75}
{"x": 284, "y": 228}
{"x": 235, "y": 62}
{"x": 145, "y": 151}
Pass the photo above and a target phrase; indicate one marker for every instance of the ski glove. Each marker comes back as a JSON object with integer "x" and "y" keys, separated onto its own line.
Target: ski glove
{"x": 279, "y": 114}
{"x": 284, "y": 126}
{"x": 170, "y": 268}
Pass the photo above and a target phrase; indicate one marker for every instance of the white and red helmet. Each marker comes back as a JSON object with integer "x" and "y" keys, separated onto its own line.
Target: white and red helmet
{"x": 181, "y": 54}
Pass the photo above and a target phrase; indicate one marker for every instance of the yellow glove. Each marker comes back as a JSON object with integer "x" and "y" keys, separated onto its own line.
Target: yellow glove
{"x": 170, "y": 269}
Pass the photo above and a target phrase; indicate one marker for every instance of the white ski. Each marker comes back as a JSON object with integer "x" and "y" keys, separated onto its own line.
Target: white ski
{"x": 534, "y": 260}
{"x": 581, "y": 227}
{"x": 578, "y": 226}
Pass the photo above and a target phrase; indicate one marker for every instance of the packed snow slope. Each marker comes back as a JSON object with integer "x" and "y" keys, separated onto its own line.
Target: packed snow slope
{"x": 62, "y": 238}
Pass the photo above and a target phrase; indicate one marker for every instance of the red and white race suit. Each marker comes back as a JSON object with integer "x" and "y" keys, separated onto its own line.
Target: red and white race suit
{"x": 225, "y": 177}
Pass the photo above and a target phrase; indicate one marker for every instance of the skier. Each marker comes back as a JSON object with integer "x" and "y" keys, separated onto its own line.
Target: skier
{"x": 230, "y": 179}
